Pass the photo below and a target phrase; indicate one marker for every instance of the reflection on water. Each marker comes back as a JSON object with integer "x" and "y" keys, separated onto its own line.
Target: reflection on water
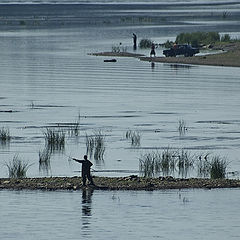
{"x": 86, "y": 210}
{"x": 169, "y": 214}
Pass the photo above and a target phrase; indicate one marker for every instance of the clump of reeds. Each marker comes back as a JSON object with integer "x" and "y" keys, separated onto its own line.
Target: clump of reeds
{"x": 54, "y": 139}
{"x": 44, "y": 160}
{"x": 166, "y": 162}
{"x": 4, "y": 135}
{"x": 134, "y": 137}
{"x": 182, "y": 127}
{"x": 75, "y": 128}
{"x": 203, "y": 166}
{"x": 185, "y": 162}
{"x": 96, "y": 145}
{"x": 215, "y": 167}
{"x": 218, "y": 167}
{"x": 157, "y": 162}
{"x": 17, "y": 168}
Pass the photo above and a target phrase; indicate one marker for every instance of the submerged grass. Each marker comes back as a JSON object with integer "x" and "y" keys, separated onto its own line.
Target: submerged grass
{"x": 96, "y": 145}
{"x": 182, "y": 127}
{"x": 17, "y": 168}
{"x": 134, "y": 137}
{"x": 181, "y": 161}
{"x": 4, "y": 135}
{"x": 44, "y": 160}
{"x": 54, "y": 139}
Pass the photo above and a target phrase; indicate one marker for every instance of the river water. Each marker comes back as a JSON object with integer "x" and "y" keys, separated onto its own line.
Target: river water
{"x": 48, "y": 80}
{"x": 191, "y": 214}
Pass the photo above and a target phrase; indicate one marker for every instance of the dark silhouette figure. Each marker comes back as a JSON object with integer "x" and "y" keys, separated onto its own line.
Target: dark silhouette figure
{"x": 153, "y": 50}
{"x": 134, "y": 41}
{"x": 86, "y": 166}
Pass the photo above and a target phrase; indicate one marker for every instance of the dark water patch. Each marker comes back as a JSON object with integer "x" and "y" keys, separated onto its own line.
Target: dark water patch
{"x": 227, "y": 138}
{"x": 112, "y": 116}
{"x": 11, "y": 121}
{"x": 143, "y": 124}
{"x": 163, "y": 113}
{"x": 8, "y": 111}
{"x": 130, "y": 111}
{"x": 220, "y": 122}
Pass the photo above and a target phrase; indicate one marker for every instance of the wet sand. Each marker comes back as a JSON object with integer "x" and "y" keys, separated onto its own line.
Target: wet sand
{"x": 116, "y": 183}
{"x": 230, "y": 57}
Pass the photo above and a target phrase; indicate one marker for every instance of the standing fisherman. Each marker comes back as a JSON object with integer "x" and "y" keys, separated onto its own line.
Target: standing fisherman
{"x": 86, "y": 166}
{"x": 134, "y": 41}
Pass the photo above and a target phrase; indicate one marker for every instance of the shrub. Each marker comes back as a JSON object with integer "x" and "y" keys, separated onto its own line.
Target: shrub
{"x": 145, "y": 43}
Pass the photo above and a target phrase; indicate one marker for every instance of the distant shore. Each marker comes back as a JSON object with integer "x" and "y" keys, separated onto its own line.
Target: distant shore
{"x": 116, "y": 183}
{"x": 230, "y": 57}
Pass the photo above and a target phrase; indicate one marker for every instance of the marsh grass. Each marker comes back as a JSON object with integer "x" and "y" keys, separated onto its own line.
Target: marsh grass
{"x": 185, "y": 162}
{"x": 44, "y": 160}
{"x": 214, "y": 167}
{"x": 182, "y": 127}
{"x": 218, "y": 167}
{"x": 4, "y": 135}
{"x": 167, "y": 162}
{"x": 134, "y": 137}
{"x": 96, "y": 145}
{"x": 54, "y": 139}
{"x": 17, "y": 168}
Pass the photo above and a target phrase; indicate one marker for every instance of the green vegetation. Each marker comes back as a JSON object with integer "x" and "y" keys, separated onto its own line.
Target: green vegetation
{"x": 145, "y": 43}
{"x": 54, "y": 139}
{"x": 166, "y": 162}
{"x": 218, "y": 167}
{"x": 182, "y": 127}
{"x": 4, "y": 135}
{"x": 44, "y": 160}
{"x": 198, "y": 39}
{"x": 134, "y": 136}
{"x": 96, "y": 145}
{"x": 181, "y": 161}
{"x": 17, "y": 168}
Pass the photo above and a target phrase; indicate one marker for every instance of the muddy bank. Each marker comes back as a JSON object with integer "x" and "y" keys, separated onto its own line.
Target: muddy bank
{"x": 230, "y": 57}
{"x": 116, "y": 183}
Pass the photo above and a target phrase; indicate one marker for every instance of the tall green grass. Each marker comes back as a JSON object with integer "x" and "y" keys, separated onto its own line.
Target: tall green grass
{"x": 54, "y": 139}
{"x": 96, "y": 145}
{"x": 17, "y": 168}
{"x": 44, "y": 160}
{"x": 181, "y": 162}
{"x": 4, "y": 135}
{"x": 218, "y": 167}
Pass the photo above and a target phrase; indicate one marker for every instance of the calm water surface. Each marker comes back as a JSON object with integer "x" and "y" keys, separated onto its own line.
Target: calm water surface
{"x": 47, "y": 80}
{"x": 120, "y": 215}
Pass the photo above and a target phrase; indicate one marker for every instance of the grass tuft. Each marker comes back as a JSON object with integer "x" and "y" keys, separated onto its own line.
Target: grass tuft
{"x": 134, "y": 137}
{"x": 4, "y": 135}
{"x": 54, "y": 139}
{"x": 17, "y": 168}
{"x": 96, "y": 145}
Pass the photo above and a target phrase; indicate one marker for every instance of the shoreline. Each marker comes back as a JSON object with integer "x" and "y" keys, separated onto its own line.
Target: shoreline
{"x": 132, "y": 182}
{"x": 229, "y": 58}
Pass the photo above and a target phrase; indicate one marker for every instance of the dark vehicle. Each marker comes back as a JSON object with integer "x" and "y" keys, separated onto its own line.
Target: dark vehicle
{"x": 185, "y": 49}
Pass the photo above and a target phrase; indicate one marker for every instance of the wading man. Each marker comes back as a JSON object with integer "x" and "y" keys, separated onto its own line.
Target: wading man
{"x": 86, "y": 166}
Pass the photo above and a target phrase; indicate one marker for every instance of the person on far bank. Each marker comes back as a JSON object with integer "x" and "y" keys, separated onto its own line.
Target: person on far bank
{"x": 86, "y": 167}
{"x": 134, "y": 41}
{"x": 153, "y": 50}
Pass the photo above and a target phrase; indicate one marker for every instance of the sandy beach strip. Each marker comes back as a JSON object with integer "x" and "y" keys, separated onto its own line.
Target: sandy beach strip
{"x": 230, "y": 57}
